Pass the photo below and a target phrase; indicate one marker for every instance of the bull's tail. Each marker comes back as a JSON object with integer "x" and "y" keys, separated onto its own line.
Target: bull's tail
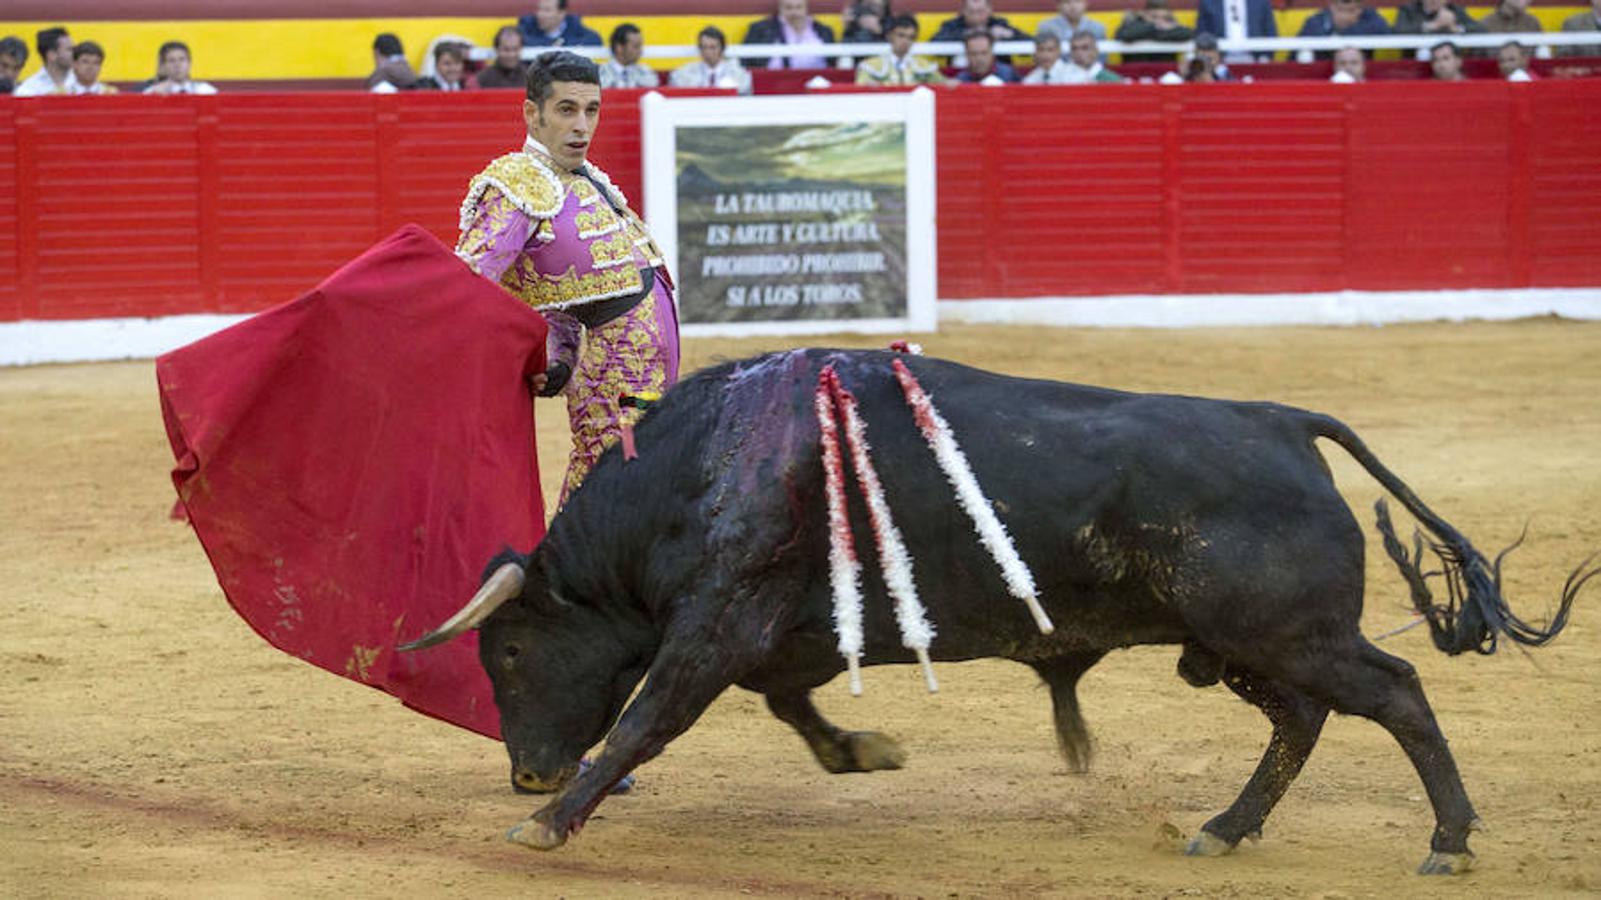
{"x": 1475, "y": 613}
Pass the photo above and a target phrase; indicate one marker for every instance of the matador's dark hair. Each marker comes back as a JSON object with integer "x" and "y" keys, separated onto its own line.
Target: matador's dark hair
{"x": 561, "y": 65}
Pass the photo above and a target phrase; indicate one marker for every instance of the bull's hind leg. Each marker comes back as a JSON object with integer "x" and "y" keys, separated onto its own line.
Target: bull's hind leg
{"x": 1297, "y": 721}
{"x": 1061, "y": 674}
{"x": 1386, "y": 689}
{"x": 838, "y": 751}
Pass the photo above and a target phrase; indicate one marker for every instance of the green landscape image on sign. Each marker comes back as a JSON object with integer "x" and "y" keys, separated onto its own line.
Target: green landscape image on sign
{"x": 787, "y": 222}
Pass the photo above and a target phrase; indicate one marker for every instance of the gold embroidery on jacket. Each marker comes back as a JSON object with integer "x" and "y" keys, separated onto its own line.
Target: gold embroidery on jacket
{"x": 596, "y": 222}
{"x": 612, "y": 251}
{"x": 569, "y": 286}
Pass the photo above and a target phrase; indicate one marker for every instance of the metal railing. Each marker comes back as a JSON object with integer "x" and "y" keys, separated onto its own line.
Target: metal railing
{"x": 1543, "y": 41}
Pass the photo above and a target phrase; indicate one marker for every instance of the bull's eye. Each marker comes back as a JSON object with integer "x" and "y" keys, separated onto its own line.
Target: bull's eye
{"x": 512, "y": 650}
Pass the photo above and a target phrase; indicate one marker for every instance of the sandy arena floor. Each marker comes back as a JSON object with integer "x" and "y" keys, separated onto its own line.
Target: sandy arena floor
{"x": 152, "y": 745}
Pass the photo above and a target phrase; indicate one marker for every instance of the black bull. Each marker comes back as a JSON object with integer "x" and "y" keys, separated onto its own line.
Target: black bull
{"x": 1146, "y": 519}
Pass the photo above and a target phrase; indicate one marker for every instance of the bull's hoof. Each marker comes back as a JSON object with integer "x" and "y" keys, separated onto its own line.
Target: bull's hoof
{"x": 1200, "y": 667}
{"x": 1446, "y": 863}
{"x": 533, "y": 833}
{"x": 872, "y": 751}
{"x": 1205, "y": 843}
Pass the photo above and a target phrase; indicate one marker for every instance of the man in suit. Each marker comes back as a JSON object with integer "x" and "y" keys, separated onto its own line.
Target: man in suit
{"x": 791, "y": 24}
{"x": 983, "y": 67}
{"x": 1435, "y": 17}
{"x": 1213, "y": 17}
{"x": 508, "y": 69}
{"x": 552, "y": 25}
{"x": 1587, "y": 21}
{"x": 713, "y": 69}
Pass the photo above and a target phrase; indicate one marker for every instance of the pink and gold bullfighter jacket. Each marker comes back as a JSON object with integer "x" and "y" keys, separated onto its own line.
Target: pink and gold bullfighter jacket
{"x": 568, "y": 245}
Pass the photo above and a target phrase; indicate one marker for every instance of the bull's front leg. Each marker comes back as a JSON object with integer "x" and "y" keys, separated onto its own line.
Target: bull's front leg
{"x": 686, "y": 676}
{"x": 838, "y": 751}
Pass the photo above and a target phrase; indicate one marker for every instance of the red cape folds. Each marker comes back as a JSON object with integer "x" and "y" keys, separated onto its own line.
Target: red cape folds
{"x": 352, "y": 459}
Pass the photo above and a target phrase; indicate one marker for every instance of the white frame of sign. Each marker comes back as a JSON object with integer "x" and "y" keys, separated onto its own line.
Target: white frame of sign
{"x": 661, "y": 117}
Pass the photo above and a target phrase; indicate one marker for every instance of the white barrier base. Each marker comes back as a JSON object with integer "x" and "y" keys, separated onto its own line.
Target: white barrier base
{"x": 94, "y": 340}
{"x": 1232, "y": 310}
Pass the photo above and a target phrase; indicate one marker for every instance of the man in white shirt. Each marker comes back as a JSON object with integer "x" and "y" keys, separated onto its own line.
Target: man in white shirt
{"x": 87, "y": 58}
{"x": 624, "y": 70}
{"x": 55, "y": 50}
{"x": 1350, "y": 66}
{"x": 712, "y": 69}
{"x": 172, "y": 72}
{"x": 1513, "y": 59}
{"x": 1084, "y": 62}
{"x": 1048, "y": 65}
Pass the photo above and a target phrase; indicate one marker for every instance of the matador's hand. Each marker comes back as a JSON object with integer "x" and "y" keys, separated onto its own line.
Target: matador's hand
{"x": 550, "y": 382}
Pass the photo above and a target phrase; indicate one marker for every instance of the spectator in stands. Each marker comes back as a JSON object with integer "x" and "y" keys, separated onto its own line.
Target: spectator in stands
{"x": 1513, "y": 58}
{"x": 390, "y": 71}
{"x": 1259, "y": 23}
{"x": 1210, "y": 58}
{"x": 1511, "y": 17}
{"x": 450, "y": 69}
{"x": 1084, "y": 64}
{"x": 13, "y": 56}
{"x": 1153, "y": 23}
{"x": 1071, "y": 18}
{"x": 552, "y": 26}
{"x": 1350, "y": 66}
{"x": 624, "y": 70}
{"x": 172, "y": 73}
{"x": 1434, "y": 17}
{"x": 1586, "y": 21}
{"x": 1204, "y": 64}
{"x": 1445, "y": 61}
{"x": 712, "y": 69}
{"x": 982, "y": 66}
{"x": 1345, "y": 18}
{"x": 865, "y": 22}
{"x": 1048, "y": 65}
{"x": 899, "y": 66}
{"x": 55, "y": 75}
{"x": 508, "y": 70}
{"x": 792, "y": 24}
{"x": 978, "y": 15}
{"x": 87, "y": 58}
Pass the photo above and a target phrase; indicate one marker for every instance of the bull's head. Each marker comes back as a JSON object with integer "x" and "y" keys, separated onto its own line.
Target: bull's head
{"x": 561, "y": 671}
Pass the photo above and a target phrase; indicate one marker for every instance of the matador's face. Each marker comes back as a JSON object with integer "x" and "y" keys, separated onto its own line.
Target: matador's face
{"x": 565, "y": 122}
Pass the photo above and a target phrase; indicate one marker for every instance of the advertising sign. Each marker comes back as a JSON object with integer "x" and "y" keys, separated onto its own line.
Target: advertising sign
{"x": 792, "y": 215}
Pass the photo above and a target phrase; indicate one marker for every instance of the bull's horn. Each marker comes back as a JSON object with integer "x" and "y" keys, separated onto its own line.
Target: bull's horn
{"x": 506, "y": 583}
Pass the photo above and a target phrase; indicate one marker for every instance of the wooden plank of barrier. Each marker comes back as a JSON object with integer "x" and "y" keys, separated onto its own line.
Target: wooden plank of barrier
{"x": 26, "y": 123}
{"x": 10, "y": 225}
{"x": 1520, "y": 188}
{"x": 208, "y": 202}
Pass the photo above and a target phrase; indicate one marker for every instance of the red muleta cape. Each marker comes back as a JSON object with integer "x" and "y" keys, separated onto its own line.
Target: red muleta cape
{"x": 351, "y": 460}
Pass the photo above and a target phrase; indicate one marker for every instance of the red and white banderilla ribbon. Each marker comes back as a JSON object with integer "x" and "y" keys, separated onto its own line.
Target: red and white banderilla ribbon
{"x": 844, "y": 569}
{"x": 953, "y": 462}
{"x": 916, "y": 633}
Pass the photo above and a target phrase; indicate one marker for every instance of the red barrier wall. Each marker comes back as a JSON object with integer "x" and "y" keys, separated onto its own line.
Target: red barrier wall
{"x": 136, "y": 206}
{"x": 1269, "y": 188}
